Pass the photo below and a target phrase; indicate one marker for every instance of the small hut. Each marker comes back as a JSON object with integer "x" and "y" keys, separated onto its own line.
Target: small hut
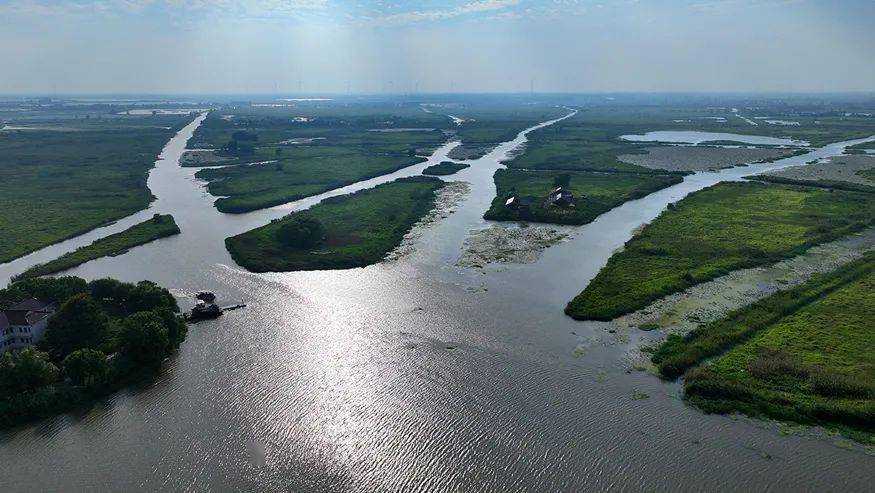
{"x": 560, "y": 197}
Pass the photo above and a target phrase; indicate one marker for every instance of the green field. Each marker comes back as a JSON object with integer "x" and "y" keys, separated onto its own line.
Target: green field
{"x": 595, "y": 193}
{"x": 290, "y": 166}
{"x": 80, "y": 174}
{"x": 806, "y": 355}
{"x": 445, "y": 168}
{"x": 250, "y": 187}
{"x": 833, "y": 184}
{"x": 112, "y": 245}
{"x": 357, "y": 229}
{"x": 723, "y": 228}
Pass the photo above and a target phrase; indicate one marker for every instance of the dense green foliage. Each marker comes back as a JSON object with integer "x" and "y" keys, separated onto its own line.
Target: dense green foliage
{"x": 24, "y": 371}
{"x": 810, "y": 362}
{"x": 60, "y": 182}
{"x": 595, "y": 193}
{"x": 359, "y": 229}
{"x": 444, "y": 168}
{"x": 725, "y": 227}
{"x": 87, "y": 367}
{"x": 301, "y": 231}
{"x": 94, "y": 321}
{"x": 78, "y": 323}
{"x": 116, "y": 244}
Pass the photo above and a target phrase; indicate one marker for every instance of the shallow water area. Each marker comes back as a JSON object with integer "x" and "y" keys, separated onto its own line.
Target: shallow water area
{"x": 697, "y": 137}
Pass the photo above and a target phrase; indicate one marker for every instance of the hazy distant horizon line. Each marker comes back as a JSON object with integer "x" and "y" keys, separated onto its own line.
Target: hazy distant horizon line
{"x": 59, "y": 95}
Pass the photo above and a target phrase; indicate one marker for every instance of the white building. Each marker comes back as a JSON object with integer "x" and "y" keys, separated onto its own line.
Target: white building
{"x": 24, "y": 323}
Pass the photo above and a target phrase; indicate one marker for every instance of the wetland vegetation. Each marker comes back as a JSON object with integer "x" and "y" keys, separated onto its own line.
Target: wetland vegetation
{"x": 804, "y": 354}
{"x": 65, "y": 175}
{"x": 340, "y": 232}
{"x": 445, "y": 168}
{"x": 726, "y": 227}
{"x": 160, "y": 226}
{"x": 595, "y": 193}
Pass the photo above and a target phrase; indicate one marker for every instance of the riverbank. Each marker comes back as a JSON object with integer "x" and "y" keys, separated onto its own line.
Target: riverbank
{"x": 801, "y": 355}
{"x": 343, "y": 232}
{"x": 160, "y": 226}
{"x": 726, "y": 227}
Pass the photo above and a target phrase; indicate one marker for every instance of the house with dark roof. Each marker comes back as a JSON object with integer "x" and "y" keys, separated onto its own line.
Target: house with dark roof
{"x": 24, "y": 323}
{"x": 560, "y": 197}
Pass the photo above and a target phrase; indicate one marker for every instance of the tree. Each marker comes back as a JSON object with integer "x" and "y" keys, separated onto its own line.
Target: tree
{"x": 562, "y": 180}
{"x": 22, "y": 371}
{"x": 56, "y": 289}
{"x": 301, "y": 231}
{"x": 143, "y": 338}
{"x": 176, "y": 327}
{"x": 147, "y": 296}
{"x": 243, "y": 135}
{"x": 87, "y": 367}
{"x": 107, "y": 288}
{"x": 79, "y": 323}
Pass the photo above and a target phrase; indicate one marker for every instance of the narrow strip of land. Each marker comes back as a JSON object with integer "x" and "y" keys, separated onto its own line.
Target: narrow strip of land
{"x": 160, "y": 226}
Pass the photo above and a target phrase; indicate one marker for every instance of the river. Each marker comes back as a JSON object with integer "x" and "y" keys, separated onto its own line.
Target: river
{"x": 410, "y": 375}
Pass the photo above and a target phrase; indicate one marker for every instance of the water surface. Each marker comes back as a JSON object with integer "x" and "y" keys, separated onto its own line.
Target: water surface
{"x": 697, "y": 137}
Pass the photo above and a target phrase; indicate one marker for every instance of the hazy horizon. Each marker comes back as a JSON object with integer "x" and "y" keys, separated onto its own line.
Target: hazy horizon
{"x": 428, "y": 46}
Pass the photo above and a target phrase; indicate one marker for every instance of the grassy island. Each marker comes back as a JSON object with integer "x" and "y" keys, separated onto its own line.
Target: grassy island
{"x": 803, "y": 355}
{"x": 160, "y": 226}
{"x": 101, "y": 336}
{"x": 445, "y": 168}
{"x": 256, "y": 186}
{"x": 273, "y": 156}
{"x": 723, "y": 228}
{"x": 339, "y": 233}
{"x": 595, "y": 193}
{"x": 68, "y": 176}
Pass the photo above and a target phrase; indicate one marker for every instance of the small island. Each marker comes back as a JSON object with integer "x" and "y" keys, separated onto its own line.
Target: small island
{"x": 67, "y": 343}
{"x": 445, "y": 168}
{"x": 160, "y": 226}
{"x": 568, "y": 197}
{"x": 342, "y": 232}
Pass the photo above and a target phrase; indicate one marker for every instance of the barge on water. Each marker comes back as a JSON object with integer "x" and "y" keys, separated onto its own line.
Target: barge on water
{"x": 206, "y": 309}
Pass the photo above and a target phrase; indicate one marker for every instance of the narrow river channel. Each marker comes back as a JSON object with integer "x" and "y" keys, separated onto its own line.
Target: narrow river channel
{"x": 412, "y": 374}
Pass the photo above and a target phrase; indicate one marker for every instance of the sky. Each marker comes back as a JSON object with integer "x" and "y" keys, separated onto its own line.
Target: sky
{"x": 422, "y": 46}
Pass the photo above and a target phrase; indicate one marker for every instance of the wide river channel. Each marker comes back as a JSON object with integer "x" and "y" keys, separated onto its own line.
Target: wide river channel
{"x": 409, "y": 375}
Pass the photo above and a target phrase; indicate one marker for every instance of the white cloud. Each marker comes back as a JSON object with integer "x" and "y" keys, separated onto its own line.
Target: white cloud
{"x": 90, "y": 8}
{"x": 436, "y": 15}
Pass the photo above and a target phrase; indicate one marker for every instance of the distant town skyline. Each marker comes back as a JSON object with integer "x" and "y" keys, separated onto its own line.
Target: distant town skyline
{"x": 354, "y": 46}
